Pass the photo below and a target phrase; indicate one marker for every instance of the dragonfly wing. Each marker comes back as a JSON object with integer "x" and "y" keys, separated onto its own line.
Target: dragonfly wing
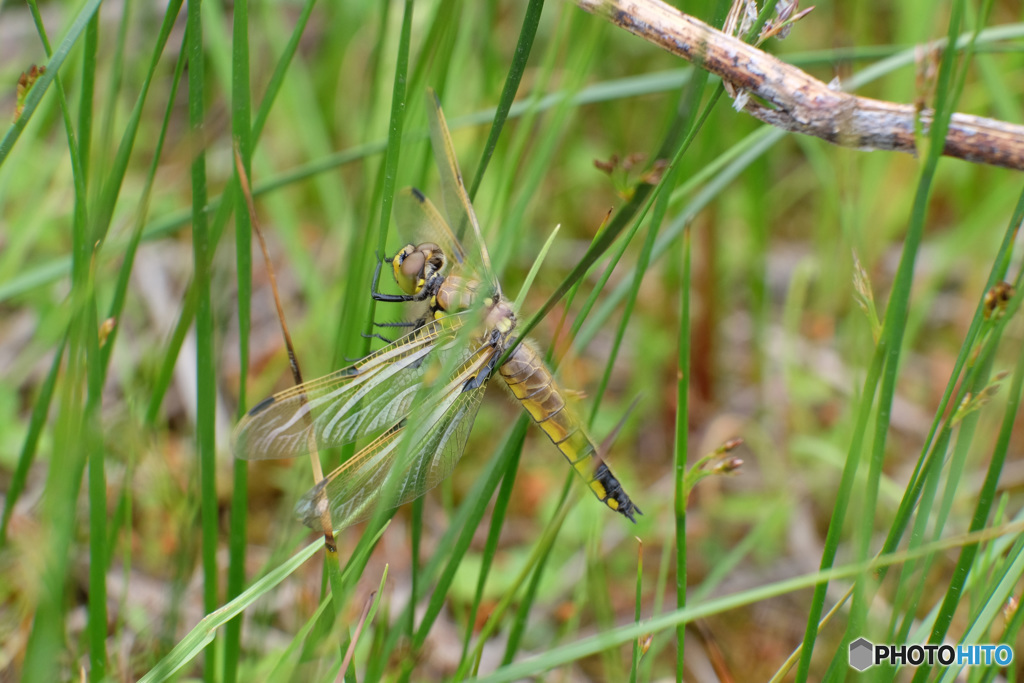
{"x": 354, "y": 490}
{"x": 365, "y": 397}
{"x": 419, "y": 221}
{"x": 460, "y": 212}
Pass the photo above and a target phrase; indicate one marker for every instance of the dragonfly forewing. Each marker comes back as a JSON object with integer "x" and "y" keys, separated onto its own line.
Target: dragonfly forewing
{"x": 406, "y": 461}
{"x": 418, "y": 221}
{"x": 461, "y": 215}
{"x": 366, "y": 397}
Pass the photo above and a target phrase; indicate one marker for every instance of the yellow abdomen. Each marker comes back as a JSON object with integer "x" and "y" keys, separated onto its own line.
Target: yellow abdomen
{"x": 533, "y": 385}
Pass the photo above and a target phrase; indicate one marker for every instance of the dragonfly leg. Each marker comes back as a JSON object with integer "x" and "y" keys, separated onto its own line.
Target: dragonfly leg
{"x": 403, "y": 323}
{"x": 378, "y": 336}
{"x": 380, "y": 296}
{"x": 414, "y": 324}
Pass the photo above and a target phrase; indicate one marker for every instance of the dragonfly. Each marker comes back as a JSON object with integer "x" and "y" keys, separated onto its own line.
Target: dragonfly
{"x": 421, "y": 392}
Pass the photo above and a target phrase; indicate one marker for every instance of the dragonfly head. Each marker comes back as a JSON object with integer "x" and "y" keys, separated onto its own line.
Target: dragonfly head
{"x": 417, "y": 266}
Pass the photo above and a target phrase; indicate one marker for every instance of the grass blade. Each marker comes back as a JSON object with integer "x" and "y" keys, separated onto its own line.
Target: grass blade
{"x": 531, "y": 20}
{"x": 53, "y": 65}
{"x": 202, "y": 252}
{"x": 241, "y": 127}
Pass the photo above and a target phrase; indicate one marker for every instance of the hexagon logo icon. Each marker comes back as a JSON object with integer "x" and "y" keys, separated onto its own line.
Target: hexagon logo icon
{"x": 861, "y": 654}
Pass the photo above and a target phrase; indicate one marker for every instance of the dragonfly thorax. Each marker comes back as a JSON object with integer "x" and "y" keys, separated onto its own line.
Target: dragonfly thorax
{"x": 418, "y": 267}
{"x": 457, "y": 293}
{"x": 500, "y": 316}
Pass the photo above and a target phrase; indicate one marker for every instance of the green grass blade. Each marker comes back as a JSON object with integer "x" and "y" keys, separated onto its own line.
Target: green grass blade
{"x": 527, "y": 33}
{"x": 85, "y": 100}
{"x": 985, "y": 499}
{"x": 106, "y": 202}
{"x": 894, "y": 326}
{"x": 241, "y": 127}
{"x": 280, "y": 72}
{"x": 45, "y": 639}
{"x": 53, "y": 65}
{"x": 539, "y": 163}
{"x": 202, "y": 251}
{"x": 97, "y": 486}
{"x": 834, "y": 535}
{"x": 170, "y": 354}
{"x": 340, "y": 590}
{"x": 64, "y": 480}
{"x": 535, "y": 567}
{"x": 115, "y": 179}
{"x": 284, "y": 669}
{"x": 638, "y": 274}
{"x": 108, "y": 113}
{"x": 501, "y": 501}
{"x": 193, "y": 644}
{"x": 995, "y": 604}
{"x": 40, "y": 409}
{"x": 435, "y": 56}
{"x": 95, "y": 372}
{"x": 468, "y": 515}
{"x": 357, "y": 312}
{"x": 681, "y": 447}
{"x": 535, "y": 268}
{"x": 395, "y": 128}
{"x": 505, "y": 463}
{"x": 928, "y": 466}
{"x": 638, "y": 611}
{"x": 638, "y": 204}
{"x": 562, "y": 655}
{"x": 588, "y": 306}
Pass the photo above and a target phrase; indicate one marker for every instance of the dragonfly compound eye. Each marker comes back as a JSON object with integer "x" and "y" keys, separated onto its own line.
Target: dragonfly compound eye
{"x": 408, "y": 266}
{"x": 416, "y": 267}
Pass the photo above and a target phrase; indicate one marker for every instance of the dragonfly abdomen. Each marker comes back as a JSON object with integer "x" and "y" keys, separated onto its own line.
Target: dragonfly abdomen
{"x": 533, "y": 385}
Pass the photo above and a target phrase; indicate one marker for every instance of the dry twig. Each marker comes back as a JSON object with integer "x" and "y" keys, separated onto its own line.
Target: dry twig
{"x": 802, "y": 104}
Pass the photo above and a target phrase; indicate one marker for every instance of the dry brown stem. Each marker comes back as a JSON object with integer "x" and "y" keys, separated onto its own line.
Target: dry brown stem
{"x": 794, "y": 101}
